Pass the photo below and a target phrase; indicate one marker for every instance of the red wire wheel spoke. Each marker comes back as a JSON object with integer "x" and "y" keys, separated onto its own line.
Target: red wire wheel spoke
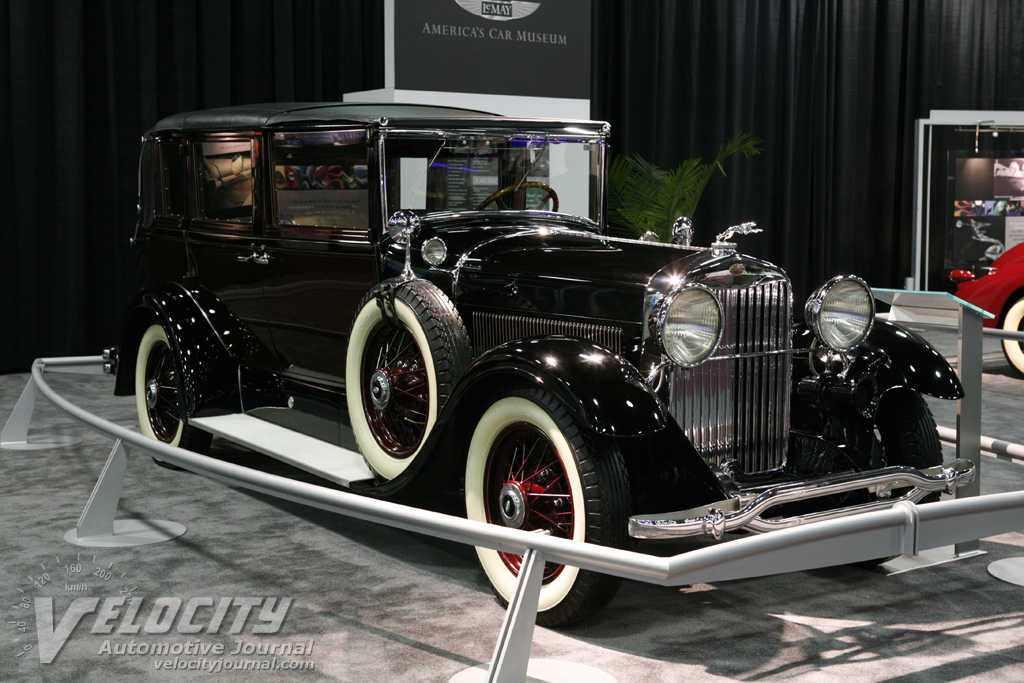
{"x": 398, "y": 426}
{"x": 524, "y": 465}
{"x": 164, "y": 416}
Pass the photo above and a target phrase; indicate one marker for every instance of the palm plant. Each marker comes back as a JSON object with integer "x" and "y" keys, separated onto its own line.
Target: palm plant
{"x": 643, "y": 197}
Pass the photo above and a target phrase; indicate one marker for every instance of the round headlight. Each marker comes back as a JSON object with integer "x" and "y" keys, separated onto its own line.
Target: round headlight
{"x": 691, "y": 326}
{"x": 841, "y": 312}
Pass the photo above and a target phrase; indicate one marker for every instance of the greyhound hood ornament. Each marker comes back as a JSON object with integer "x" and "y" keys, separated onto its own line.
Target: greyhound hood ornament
{"x": 722, "y": 243}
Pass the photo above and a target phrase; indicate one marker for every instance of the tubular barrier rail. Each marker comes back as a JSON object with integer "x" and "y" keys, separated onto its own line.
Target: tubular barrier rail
{"x": 905, "y": 529}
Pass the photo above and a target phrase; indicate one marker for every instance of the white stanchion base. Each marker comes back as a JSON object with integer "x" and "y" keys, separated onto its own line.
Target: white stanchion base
{"x": 542, "y": 671}
{"x": 1010, "y": 570}
{"x": 38, "y": 443}
{"x": 927, "y": 558}
{"x": 128, "y": 533}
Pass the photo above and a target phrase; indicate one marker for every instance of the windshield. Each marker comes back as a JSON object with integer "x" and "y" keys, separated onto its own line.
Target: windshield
{"x": 493, "y": 172}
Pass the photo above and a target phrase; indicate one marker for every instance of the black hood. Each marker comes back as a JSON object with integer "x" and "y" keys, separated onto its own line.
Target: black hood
{"x": 542, "y": 263}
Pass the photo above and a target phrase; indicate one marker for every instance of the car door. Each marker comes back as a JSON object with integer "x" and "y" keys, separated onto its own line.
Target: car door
{"x": 317, "y": 239}
{"x": 320, "y": 262}
{"x": 223, "y": 235}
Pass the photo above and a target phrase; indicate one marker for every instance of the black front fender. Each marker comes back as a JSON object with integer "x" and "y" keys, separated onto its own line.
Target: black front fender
{"x": 904, "y": 359}
{"x": 896, "y": 358}
{"x": 605, "y": 392}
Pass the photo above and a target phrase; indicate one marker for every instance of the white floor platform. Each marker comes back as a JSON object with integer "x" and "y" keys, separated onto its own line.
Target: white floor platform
{"x": 335, "y": 463}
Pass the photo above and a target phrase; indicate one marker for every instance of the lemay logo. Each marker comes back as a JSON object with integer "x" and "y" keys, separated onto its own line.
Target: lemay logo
{"x": 499, "y": 10}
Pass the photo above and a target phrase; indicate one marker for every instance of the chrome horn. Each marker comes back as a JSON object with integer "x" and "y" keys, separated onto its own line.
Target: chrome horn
{"x": 682, "y": 231}
{"x": 402, "y": 226}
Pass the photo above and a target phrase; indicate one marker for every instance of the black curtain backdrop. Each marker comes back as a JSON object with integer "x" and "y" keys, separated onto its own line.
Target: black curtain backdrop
{"x": 81, "y": 81}
{"x": 832, "y": 87}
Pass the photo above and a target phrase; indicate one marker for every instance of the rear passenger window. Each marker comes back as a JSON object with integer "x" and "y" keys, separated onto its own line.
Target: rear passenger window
{"x": 320, "y": 185}
{"x": 225, "y": 188}
{"x": 172, "y": 156}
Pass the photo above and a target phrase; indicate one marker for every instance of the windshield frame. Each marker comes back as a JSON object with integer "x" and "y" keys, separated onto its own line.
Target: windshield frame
{"x": 533, "y": 131}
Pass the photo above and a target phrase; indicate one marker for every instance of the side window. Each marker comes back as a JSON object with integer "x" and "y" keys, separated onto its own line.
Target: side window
{"x": 149, "y": 178}
{"x": 172, "y": 178}
{"x": 225, "y": 180}
{"x": 320, "y": 185}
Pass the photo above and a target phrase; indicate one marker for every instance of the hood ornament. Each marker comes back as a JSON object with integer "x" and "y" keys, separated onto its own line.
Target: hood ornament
{"x": 722, "y": 242}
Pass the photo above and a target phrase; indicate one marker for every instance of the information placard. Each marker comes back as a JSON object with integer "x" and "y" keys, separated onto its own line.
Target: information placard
{"x": 499, "y": 47}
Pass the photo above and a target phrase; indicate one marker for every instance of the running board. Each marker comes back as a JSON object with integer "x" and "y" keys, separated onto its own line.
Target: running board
{"x": 335, "y": 463}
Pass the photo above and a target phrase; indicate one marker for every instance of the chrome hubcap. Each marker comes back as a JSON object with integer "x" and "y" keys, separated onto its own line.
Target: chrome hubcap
{"x": 152, "y": 393}
{"x": 512, "y": 505}
{"x": 380, "y": 389}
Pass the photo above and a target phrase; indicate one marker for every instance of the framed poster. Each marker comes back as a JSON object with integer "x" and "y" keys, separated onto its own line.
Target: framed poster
{"x": 986, "y": 215}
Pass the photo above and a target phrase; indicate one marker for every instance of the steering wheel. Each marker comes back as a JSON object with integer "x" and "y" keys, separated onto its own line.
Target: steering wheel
{"x": 550, "y": 194}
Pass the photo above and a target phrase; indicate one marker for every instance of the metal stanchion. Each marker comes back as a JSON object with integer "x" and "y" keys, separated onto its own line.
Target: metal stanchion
{"x": 97, "y": 527}
{"x": 15, "y": 433}
{"x": 511, "y": 661}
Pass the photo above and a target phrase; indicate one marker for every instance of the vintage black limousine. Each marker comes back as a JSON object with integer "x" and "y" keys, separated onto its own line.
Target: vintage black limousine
{"x": 405, "y": 298}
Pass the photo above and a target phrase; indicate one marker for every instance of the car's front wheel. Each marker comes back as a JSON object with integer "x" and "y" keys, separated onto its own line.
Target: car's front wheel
{"x": 531, "y": 466}
{"x": 1013, "y": 321}
{"x": 158, "y": 394}
{"x": 908, "y": 432}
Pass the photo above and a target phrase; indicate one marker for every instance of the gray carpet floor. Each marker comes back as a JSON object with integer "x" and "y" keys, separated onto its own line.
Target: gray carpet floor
{"x": 386, "y": 605}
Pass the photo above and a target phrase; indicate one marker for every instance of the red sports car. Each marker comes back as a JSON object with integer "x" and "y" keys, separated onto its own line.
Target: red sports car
{"x": 1000, "y": 292}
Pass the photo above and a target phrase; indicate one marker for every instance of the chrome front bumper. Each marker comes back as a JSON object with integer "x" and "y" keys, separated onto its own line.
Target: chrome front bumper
{"x": 744, "y": 511}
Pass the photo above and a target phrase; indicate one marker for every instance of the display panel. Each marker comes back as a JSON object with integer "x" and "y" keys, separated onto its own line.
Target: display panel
{"x": 986, "y": 214}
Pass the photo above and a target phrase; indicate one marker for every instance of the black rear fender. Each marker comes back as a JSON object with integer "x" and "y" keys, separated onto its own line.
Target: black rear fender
{"x": 208, "y": 342}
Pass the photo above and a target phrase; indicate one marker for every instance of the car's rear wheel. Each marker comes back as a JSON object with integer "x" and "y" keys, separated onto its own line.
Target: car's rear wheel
{"x": 1013, "y": 321}
{"x": 406, "y": 349}
{"x": 532, "y": 467}
{"x": 158, "y": 394}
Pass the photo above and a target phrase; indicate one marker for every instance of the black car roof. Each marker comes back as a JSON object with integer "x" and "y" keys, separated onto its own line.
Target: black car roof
{"x": 256, "y": 116}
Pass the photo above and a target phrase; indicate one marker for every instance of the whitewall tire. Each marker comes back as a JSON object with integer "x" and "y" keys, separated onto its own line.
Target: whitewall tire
{"x": 400, "y": 370}
{"x": 158, "y": 394}
{"x": 1014, "y": 350}
{"x": 525, "y": 469}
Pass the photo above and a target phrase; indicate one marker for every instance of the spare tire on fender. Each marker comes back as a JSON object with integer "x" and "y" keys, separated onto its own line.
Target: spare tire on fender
{"x": 406, "y": 349}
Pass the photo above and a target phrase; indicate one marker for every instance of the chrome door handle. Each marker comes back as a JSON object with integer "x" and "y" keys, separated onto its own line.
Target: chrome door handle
{"x": 259, "y": 256}
{"x": 250, "y": 257}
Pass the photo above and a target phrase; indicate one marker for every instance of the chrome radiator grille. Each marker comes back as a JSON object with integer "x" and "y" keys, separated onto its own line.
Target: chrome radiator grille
{"x": 491, "y": 329}
{"x": 736, "y": 405}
